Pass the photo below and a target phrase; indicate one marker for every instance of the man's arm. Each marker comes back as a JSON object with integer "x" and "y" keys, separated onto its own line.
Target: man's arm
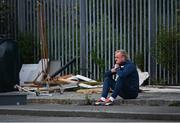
{"x": 108, "y": 73}
{"x": 112, "y": 71}
{"x": 126, "y": 70}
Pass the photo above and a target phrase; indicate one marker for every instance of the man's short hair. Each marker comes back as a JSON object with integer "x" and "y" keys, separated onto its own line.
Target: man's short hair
{"x": 123, "y": 52}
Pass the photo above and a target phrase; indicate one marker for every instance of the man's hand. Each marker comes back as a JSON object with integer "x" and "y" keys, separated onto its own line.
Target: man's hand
{"x": 113, "y": 70}
{"x": 116, "y": 66}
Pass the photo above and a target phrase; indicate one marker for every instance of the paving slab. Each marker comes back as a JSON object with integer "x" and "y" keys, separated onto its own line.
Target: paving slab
{"x": 13, "y": 98}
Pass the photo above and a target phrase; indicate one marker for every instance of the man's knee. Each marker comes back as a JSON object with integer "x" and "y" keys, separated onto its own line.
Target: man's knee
{"x": 108, "y": 79}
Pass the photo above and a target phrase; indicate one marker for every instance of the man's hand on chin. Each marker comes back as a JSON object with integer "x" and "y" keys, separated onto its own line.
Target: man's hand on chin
{"x": 113, "y": 70}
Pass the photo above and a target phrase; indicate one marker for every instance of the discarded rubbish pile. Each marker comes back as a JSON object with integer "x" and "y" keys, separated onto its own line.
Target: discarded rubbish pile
{"x": 34, "y": 80}
{"x": 59, "y": 84}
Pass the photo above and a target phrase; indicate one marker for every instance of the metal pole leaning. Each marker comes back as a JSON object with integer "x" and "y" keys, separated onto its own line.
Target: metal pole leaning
{"x": 63, "y": 68}
{"x": 82, "y": 37}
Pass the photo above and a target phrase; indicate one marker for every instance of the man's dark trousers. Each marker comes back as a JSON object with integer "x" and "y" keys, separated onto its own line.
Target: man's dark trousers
{"x": 119, "y": 88}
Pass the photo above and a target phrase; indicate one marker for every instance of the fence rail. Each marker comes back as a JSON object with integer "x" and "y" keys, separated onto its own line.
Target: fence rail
{"x": 92, "y": 30}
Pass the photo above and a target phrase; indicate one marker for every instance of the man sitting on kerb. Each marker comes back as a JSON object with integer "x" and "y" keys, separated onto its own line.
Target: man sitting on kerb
{"x": 126, "y": 82}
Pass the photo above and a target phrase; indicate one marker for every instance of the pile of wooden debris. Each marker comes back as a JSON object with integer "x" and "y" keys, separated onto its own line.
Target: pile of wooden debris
{"x": 60, "y": 83}
{"x": 35, "y": 79}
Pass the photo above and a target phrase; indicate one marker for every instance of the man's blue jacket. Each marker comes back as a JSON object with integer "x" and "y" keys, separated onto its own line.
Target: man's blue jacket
{"x": 128, "y": 73}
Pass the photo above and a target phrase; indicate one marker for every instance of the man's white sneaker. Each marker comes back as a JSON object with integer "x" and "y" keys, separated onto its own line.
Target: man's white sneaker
{"x": 99, "y": 102}
{"x": 108, "y": 102}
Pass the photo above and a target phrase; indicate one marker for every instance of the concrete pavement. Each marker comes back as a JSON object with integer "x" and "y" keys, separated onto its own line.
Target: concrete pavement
{"x": 120, "y": 112}
{"x": 154, "y": 103}
{"x": 151, "y": 96}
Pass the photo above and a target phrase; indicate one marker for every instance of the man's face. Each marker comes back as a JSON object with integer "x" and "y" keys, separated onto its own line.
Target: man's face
{"x": 119, "y": 58}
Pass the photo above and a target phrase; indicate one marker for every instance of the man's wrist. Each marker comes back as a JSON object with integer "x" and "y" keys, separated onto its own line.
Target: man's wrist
{"x": 113, "y": 70}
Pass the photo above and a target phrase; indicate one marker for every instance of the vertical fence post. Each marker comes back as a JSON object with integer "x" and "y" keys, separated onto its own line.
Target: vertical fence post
{"x": 19, "y": 15}
{"x": 82, "y": 37}
{"x": 151, "y": 36}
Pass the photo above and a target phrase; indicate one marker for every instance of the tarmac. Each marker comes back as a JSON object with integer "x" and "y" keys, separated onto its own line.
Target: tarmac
{"x": 154, "y": 103}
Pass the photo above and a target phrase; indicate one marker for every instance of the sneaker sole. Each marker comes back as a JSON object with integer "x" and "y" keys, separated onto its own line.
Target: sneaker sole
{"x": 101, "y": 103}
{"x": 108, "y": 104}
